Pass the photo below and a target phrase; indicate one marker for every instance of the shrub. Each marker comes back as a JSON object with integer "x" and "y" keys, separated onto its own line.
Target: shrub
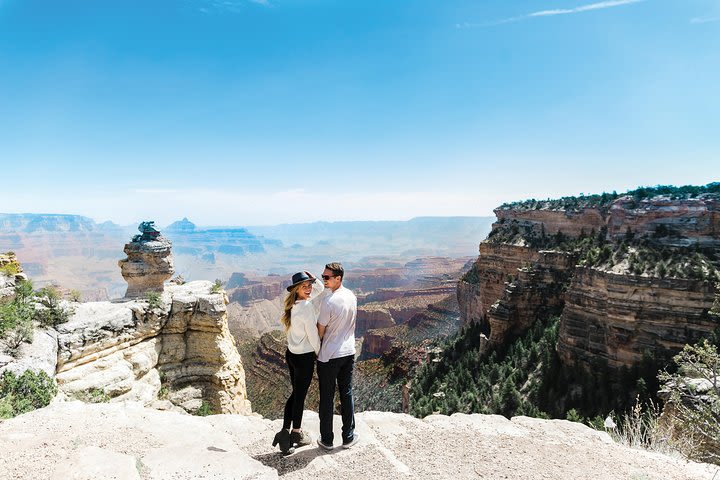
{"x": 29, "y": 391}
{"x": 216, "y": 287}
{"x": 694, "y": 401}
{"x": 53, "y": 313}
{"x": 163, "y": 393}
{"x": 16, "y": 318}
{"x": 153, "y": 299}
{"x": 21, "y": 332}
{"x": 9, "y": 270}
{"x": 92, "y": 395}
{"x": 205, "y": 409}
{"x": 75, "y": 296}
{"x": 642, "y": 428}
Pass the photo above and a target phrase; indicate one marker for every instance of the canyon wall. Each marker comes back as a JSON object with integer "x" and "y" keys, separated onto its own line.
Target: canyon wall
{"x": 619, "y": 318}
{"x": 605, "y": 311}
{"x": 684, "y": 222}
{"x": 536, "y": 291}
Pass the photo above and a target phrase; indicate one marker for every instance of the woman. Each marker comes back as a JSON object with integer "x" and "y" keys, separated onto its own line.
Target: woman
{"x": 300, "y": 322}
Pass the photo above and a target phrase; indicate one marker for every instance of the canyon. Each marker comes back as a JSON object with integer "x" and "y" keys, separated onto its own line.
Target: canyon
{"x": 394, "y": 327}
{"x": 77, "y": 253}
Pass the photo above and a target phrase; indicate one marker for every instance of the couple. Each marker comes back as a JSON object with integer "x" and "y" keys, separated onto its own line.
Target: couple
{"x": 319, "y": 321}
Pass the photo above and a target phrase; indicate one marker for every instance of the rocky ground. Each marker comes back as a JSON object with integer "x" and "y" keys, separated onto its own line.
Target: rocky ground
{"x": 126, "y": 441}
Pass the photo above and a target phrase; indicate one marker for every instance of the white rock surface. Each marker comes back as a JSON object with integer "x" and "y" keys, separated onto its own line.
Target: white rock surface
{"x": 124, "y": 348}
{"x": 39, "y": 356}
{"x": 88, "y": 439}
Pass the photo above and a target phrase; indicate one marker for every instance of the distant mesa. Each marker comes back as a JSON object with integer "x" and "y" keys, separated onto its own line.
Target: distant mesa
{"x": 32, "y": 222}
{"x": 181, "y": 226}
{"x": 234, "y": 241}
{"x": 109, "y": 226}
{"x": 238, "y": 279}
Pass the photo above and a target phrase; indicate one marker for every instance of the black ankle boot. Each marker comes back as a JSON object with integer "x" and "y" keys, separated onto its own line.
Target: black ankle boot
{"x": 286, "y": 444}
{"x": 300, "y": 438}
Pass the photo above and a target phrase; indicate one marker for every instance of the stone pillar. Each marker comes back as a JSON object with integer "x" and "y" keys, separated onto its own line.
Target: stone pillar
{"x": 148, "y": 264}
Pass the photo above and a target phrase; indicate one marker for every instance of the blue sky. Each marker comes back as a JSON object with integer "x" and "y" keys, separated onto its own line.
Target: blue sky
{"x": 260, "y": 112}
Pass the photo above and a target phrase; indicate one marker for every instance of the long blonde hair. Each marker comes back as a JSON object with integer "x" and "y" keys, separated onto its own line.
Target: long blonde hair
{"x": 290, "y": 300}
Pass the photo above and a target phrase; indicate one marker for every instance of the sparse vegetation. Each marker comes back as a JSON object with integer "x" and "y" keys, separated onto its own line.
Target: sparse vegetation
{"x": 51, "y": 312}
{"x": 471, "y": 276}
{"x": 634, "y": 255}
{"x": 153, "y": 300}
{"x": 29, "y": 391}
{"x": 693, "y": 405}
{"x": 75, "y": 296}
{"x": 9, "y": 269}
{"x": 16, "y": 318}
{"x": 603, "y": 200}
{"x": 642, "y": 427}
{"x": 216, "y": 286}
{"x": 204, "y": 409}
{"x": 163, "y": 393}
{"x": 92, "y": 395}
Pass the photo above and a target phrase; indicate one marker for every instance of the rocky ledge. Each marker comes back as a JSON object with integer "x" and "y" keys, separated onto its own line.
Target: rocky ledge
{"x": 177, "y": 353}
{"x": 126, "y": 441}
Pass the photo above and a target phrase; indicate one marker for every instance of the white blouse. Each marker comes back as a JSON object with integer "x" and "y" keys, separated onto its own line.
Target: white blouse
{"x": 302, "y": 336}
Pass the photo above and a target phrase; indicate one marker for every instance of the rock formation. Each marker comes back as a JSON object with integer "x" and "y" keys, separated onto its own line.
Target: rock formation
{"x": 148, "y": 265}
{"x": 608, "y": 311}
{"x": 685, "y": 221}
{"x": 619, "y": 317}
{"x": 134, "y": 351}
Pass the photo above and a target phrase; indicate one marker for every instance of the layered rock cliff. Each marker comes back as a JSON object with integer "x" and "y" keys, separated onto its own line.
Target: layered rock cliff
{"x": 129, "y": 350}
{"x": 629, "y": 275}
{"x": 620, "y": 317}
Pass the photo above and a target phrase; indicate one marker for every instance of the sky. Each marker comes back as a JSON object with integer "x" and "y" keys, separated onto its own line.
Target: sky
{"x": 259, "y": 112}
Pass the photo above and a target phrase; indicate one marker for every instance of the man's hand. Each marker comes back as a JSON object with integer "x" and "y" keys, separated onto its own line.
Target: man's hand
{"x": 321, "y": 330}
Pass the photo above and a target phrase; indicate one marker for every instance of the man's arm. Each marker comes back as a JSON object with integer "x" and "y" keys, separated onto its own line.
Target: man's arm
{"x": 321, "y": 330}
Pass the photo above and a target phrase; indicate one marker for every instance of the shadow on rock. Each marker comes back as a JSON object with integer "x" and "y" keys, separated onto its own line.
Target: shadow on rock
{"x": 289, "y": 463}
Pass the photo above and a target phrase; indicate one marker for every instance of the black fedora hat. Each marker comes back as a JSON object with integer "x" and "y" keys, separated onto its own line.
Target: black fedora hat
{"x": 300, "y": 277}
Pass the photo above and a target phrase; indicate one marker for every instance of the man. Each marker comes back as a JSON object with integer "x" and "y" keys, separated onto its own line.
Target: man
{"x": 336, "y": 326}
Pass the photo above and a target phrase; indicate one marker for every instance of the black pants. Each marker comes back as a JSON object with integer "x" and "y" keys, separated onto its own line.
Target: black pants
{"x": 337, "y": 370}
{"x": 301, "y": 370}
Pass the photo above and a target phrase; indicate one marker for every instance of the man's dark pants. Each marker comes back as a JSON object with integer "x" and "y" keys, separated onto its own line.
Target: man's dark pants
{"x": 337, "y": 370}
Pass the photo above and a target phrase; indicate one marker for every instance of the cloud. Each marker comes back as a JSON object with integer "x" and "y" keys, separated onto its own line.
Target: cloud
{"x": 234, "y": 6}
{"x": 705, "y": 19}
{"x": 583, "y": 8}
{"x": 155, "y": 191}
{"x": 553, "y": 12}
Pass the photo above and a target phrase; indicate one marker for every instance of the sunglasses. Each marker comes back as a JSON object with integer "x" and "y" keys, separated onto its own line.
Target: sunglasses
{"x": 327, "y": 277}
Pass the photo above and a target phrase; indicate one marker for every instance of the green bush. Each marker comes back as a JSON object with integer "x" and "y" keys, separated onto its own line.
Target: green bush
{"x": 53, "y": 313}
{"x": 9, "y": 270}
{"x": 205, "y": 409}
{"x": 216, "y": 287}
{"x": 16, "y": 318}
{"x": 92, "y": 395}
{"x": 29, "y": 391}
{"x": 153, "y": 299}
{"x": 694, "y": 401}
